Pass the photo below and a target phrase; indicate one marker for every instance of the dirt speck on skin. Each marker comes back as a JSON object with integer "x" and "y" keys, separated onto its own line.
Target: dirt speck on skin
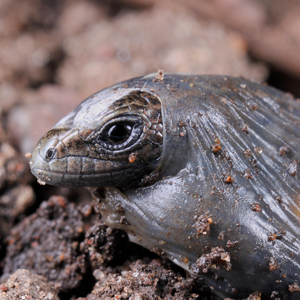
{"x": 132, "y": 157}
{"x": 278, "y": 235}
{"x": 247, "y": 174}
{"x": 216, "y": 258}
{"x": 245, "y": 129}
{"x": 202, "y": 224}
{"x": 216, "y": 148}
{"x": 256, "y": 207}
{"x": 294, "y": 288}
{"x": 228, "y": 179}
{"x": 283, "y": 150}
{"x": 26, "y": 285}
{"x": 248, "y": 153}
{"x": 231, "y": 244}
{"x": 272, "y": 237}
{"x": 258, "y": 150}
{"x": 293, "y": 167}
{"x": 272, "y": 264}
{"x": 160, "y": 75}
{"x": 221, "y": 235}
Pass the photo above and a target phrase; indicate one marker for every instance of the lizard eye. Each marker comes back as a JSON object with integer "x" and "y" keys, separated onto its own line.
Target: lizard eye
{"x": 118, "y": 133}
{"x": 50, "y": 154}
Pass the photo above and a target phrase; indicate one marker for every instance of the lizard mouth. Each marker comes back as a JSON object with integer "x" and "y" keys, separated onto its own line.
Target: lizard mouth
{"x": 64, "y": 179}
{"x": 76, "y": 171}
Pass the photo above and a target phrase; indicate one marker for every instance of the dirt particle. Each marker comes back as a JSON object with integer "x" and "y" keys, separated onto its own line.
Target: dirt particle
{"x": 221, "y": 235}
{"x": 216, "y": 148}
{"x": 272, "y": 237}
{"x": 281, "y": 233}
{"x": 254, "y": 163}
{"x": 294, "y": 288}
{"x": 258, "y": 150}
{"x": 41, "y": 182}
{"x": 293, "y": 166}
{"x": 231, "y": 244}
{"x": 191, "y": 84}
{"x": 254, "y": 106}
{"x": 217, "y": 256}
{"x": 182, "y": 134}
{"x": 123, "y": 220}
{"x": 160, "y": 75}
{"x": 245, "y": 128}
{"x": 132, "y": 157}
{"x": 86, "y": 210}
{"x": 248, "y": 153}
{"x": 254, "y": 296}
{"x": 185, "y": 260}
{"x": 283, "y": 150}
{"x": 202, "y": 224}
{"x": 120, "y": 209}
{"x": 224, "y": 100}
{"x": 274, "y": 294}
{"x": 278, "y": 199}
{"x": 272, "y": 264}
{"x": 228, "y": 179}
{"x": 23, "y": 282}
{"x": 158, "y": 251}
{"x": 243, "y": 86}
{"x": 256, "y": 207}
{"x": 247, "y": 174}
{"x": 28, "y": 155}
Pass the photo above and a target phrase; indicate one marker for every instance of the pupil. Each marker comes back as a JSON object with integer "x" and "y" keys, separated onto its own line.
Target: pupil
{"x": 119, "y": 133}
{"x": 49, "y": 153}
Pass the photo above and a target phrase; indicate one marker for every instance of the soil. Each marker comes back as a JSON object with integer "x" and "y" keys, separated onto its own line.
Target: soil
{"x": 53, "y": 54}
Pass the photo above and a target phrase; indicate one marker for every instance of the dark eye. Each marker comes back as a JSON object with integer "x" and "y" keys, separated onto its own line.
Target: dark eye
{"x": 50, "y": 153}
{"x": 119, "y": 133}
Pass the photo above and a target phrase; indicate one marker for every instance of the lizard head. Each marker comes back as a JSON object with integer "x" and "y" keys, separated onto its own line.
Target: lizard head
{"x": 113, "y": 138}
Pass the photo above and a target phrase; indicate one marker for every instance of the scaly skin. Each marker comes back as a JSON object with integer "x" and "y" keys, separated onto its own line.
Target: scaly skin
{"x": 207, "y": 174}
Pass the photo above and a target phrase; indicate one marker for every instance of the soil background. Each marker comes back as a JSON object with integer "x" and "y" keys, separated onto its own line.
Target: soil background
{"x": 53, "y": 54}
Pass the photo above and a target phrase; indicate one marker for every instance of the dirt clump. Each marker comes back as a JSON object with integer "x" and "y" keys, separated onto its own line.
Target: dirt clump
{"x": 47, "y": 243}
{"x": 26, "y": 285}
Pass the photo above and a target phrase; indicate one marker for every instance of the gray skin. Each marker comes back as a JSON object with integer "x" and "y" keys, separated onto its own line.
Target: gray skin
{"x": 209, "y": 177}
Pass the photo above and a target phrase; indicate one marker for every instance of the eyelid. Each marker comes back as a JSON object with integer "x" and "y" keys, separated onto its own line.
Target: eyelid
{"x": 122, "y": 119}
